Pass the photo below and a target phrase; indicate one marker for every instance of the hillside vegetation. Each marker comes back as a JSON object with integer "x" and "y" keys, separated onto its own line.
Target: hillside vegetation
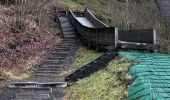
{"x": 27, "y": 34}
{"x": 134, "y": 14}
{"x": 110, "y": 83}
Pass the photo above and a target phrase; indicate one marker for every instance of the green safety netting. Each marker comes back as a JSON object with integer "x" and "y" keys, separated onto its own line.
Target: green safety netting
{"x": 151, "y": 75}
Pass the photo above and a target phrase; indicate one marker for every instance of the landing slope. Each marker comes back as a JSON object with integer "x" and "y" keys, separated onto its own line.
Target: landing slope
{"x": 150, "y": 73}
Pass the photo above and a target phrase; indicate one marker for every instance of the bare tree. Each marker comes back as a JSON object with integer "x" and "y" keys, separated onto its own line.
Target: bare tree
{"x": 23, "y": 8}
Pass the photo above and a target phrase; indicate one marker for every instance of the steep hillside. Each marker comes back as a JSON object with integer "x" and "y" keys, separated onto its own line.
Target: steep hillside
{"x": 110, "y": 83}
{"x": 26, "y": 37}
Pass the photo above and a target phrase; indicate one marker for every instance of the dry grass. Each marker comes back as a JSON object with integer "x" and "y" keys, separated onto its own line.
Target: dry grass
{"x": 21, "y": 51}
{"x": 109, "y": 83}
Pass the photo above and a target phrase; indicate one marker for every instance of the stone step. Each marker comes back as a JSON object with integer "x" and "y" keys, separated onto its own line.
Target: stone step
{"x": 35, "y": 84}
{"x": 60, "y": 52}
{"x": 63, "y": 18}
{"x": 22, "y": 84}
{"x": 47, "y": 79}
{"x": 68, "y": 39}
{"x": 46, "y": 72}
{"x": 67, "y": 44}
{"x": 66, "y": 25}
{"x": 50, "y": 68}
{"x": 64, "y": 45}
{"x": 68, "y": 29}
{"x": 64, "y": 21}
{"x": 36, "y": 99}
{"x": 32, "y": 96}
{"x": 70, "y": 35}
{"x": 58, "y": 65}
{"x": 56, "y": 58}
{"x": 63, "y": 49}
{"x": 53, "y": 63}
{"x": 59, "y": 55}
{"x": 57, "y": 84}
{"x": 46, "y": 75}
{"x": 33, "y": 89}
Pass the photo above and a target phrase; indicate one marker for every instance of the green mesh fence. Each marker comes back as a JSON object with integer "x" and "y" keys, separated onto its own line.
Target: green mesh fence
{"x": 151, "y": 76}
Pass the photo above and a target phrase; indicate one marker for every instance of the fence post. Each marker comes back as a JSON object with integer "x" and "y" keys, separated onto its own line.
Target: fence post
{"x": 97, "y": 40}
{"x": 154, "y": 36}
{"x": 116, "y": 37}
{"x": 89, "y": 41}
{"x": 154, "y": 39}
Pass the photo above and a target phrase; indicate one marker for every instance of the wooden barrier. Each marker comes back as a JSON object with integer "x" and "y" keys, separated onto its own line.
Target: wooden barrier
{"x": 138, "y": 36}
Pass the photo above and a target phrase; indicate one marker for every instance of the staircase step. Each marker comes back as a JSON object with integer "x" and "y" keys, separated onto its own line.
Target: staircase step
{"x": 67, "y": 25}
{"x": 47, "y": 79}
{"x": 32, "y": 96}
{"x": 63, "y": 19}
{"x": 47, "y": 72}
{"x": 69, "y": 35}
{"x": 58, "y": 84}
{"x": 67, "y": 43}
{"x": 64, "y": 49}
{"x": 57, "y": 58}
{"x": 64, "y": 45}
{"x": 29, "y": 84}
{"x": 52, "y": 63}
{"x": 46, "y": 75}
{"x": 52, "y": 66}
{"x": 22, "y": 84}
{"x": 50, "y": 70}
{"x": 68, "y": 39}
{"x": 68, "y": 29}
{"x": 60, "y": 54}
{"x": 34, "y": 89}
{"x": 36, "y": 99}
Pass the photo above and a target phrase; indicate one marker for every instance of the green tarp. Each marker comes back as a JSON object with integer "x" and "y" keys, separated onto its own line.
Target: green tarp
{"x": 150, "y": 74}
